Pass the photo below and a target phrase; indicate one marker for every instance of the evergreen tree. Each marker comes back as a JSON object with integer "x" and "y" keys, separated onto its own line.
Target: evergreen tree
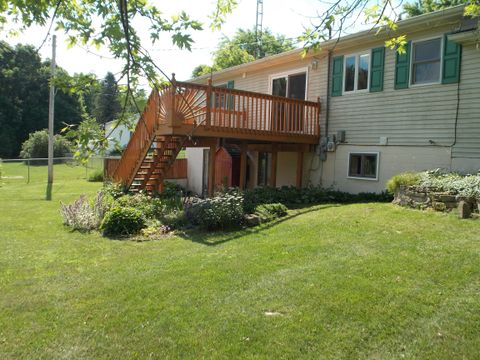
{"x": 107, "y": 105}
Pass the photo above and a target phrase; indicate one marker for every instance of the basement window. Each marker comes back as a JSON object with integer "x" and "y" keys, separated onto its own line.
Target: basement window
{"x": 363, "y": 166}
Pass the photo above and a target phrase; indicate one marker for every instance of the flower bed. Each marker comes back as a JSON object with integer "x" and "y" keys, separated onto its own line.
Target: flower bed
{"x": 438, "y": 190}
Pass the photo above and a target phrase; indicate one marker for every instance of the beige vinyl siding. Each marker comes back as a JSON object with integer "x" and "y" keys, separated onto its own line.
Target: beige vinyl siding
{"x": 413, "y": 116}
{"x": 468, "y": 127}
{"x": 418, "y": 116}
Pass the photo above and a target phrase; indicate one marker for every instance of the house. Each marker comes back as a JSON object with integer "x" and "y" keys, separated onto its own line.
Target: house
{"x": 350, "y": 116}
{"x": 118, "y": 134}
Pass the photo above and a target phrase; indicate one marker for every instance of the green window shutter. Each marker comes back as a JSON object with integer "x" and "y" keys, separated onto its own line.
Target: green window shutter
{"x": 402, "y": 68}
{"x": 230, "y": 85}
{"x": 377, "y": 67}
{"x": 337, "y": 76}
{"x": 452, "y": 54}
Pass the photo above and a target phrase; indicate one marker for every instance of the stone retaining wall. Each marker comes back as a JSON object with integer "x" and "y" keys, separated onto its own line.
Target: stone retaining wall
{"x": 412, "y": 197}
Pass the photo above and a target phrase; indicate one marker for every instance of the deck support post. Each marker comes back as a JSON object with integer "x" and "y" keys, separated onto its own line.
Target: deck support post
{"x": 243, "y": 166}
{"x": 299, "y": 168}
{"x": 211, "y": 168}
{"x": 161, "y": 187}
{"x": 208, "y": 100}
{"x": 317, "y": 118}
{"x": 273, "y": 174}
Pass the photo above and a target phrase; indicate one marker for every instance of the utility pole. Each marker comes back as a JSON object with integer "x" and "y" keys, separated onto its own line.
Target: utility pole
{"x": 51, "y": 112}
{"x": 259, "y": 27}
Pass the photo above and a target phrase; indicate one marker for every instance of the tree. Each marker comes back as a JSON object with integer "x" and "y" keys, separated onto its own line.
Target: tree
{"x": 107, "y": 104}
{"x": 243, "y": 48}
{"x": 36, "y": 146}
{"x": 426, "y": 6}
{"x": 109, "y": 24}
{"x": 24, "y": 97}
{"x": 384, "y": 15}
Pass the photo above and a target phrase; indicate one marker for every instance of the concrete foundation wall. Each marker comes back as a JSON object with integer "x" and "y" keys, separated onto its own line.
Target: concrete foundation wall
{"x": 392, "y": 161}
{"x": 286, "y": 168}
{"x": 466, "y": 165}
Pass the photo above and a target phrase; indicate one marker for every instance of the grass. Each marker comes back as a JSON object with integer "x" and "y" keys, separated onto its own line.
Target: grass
{"x": 360, "y": 281}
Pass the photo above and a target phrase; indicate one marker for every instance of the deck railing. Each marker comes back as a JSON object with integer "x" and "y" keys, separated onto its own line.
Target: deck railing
{"x": 238, "y": 110}
{"x": 216, "y": 109}
{"x": 140, "y": 141}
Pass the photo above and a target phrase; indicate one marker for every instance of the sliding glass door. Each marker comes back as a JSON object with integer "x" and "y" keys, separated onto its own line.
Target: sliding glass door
{"x": 288, "y": 116}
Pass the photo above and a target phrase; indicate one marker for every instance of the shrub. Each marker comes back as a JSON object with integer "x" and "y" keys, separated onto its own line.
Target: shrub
{"x": 122, "y": 221}
{"x": 175, "y": 219}
{"x": 114, "y": 190}
{"x": 96, "y": 176}
{"x": 219, "y": 212}
{"x": 467, "y": 186}
{"x": 151, "y": 208}
{"x": 83, "y": 215}
{"x": 36, "y": 146}
{"x": 269, "y": 212}
{"x": 153, "y": 231}
{"x": 292, "y": 196}
{"x": 405, "y": 179}
{"x": 454, "y": 183}
{"x": 172, "y": 196}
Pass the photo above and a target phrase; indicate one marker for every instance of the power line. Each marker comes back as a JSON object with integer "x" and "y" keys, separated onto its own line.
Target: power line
{"x": 96, "y": 54}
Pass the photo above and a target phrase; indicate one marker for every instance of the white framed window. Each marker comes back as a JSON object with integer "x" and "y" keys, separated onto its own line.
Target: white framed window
{"x": 363, "y": 165}
{"x": 426, "y": 61}
{"x": 292, "y": 84}
{"x": 357, "y": 70}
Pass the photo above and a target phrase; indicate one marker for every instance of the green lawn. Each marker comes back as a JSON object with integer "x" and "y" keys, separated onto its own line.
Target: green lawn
{"x": 360, "y": 281}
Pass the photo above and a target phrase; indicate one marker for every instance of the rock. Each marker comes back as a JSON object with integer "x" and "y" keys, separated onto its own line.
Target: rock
{"x": 464, "y": 210}
{"x": 447, "y": 198}
{"x": 439, "y": 206}
{"x": 252, "y": 220}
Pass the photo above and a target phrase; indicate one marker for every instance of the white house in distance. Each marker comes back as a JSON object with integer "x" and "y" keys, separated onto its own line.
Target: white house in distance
{"x": 118, "y": 134}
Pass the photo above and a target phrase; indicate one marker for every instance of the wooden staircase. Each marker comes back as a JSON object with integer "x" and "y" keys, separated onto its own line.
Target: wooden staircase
{"x": 148, "y": 156}
{"x": 156, "y": 163}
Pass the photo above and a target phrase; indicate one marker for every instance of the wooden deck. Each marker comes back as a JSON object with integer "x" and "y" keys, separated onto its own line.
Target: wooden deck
{"x": 186, "y": 114}
{"x": 208, "y": 111}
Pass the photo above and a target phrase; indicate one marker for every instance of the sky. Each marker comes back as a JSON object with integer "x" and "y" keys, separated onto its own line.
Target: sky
{"x": 285, "y": 17}
{"x": 281, "y": 16}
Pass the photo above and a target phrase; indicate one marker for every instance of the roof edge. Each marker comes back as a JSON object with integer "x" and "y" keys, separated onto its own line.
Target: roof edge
{"x": 345, "y": 41}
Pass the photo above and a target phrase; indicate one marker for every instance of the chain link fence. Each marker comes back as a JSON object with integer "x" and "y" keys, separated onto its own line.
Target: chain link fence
{"x": 65, "y": 168}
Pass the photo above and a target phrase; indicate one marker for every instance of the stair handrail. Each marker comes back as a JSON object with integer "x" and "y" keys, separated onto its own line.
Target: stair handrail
{"x": 126, "y": 176}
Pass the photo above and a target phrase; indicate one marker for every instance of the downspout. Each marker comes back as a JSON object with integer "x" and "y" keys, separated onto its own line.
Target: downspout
{"x": 321, "y": 148}
{"x": 327, "y": 114}
{"x": 455, "y": 126}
